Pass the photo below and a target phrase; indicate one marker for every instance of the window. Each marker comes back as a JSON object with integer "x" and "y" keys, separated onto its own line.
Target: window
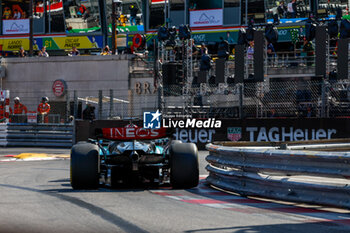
{"x": 232, "y": 12}
{"x": 256, "y": 10}
{"x": 128, "y": 14}
{"x": 156, "y": 15}
{"x": 177, "y": 5}
{"x": 177, "y": 12}
{"x": 48, "y": 16}
{"x": 82, "y": 16}
{"x": 205, "y": 4}
{"x": 330, "y": 7}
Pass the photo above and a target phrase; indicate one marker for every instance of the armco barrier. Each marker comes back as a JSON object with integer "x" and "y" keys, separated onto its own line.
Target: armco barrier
{"x": 301, "y": 176}
{"x": 50, "y": 135}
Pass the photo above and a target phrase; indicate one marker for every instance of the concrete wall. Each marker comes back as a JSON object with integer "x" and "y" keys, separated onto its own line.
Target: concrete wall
{"x": 32, "y": 78}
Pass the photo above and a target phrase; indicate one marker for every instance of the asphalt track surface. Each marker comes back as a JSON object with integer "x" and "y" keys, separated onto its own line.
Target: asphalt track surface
{"x": 36, "y": 197}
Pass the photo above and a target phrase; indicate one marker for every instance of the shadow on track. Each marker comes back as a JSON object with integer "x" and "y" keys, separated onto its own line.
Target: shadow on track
{"x": 278, "y": 228}
{"x": 98, "y": 211}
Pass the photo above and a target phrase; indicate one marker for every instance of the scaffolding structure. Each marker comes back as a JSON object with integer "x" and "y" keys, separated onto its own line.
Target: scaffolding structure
{"x": 167, "y": 55}
{"x": 187, "y": 67}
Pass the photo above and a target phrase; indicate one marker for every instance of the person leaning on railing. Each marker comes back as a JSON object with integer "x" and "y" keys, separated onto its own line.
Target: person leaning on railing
{"x": 43, "y": 110}
{"x": 106, "y": 51}
{"x": 19, "y": 110}
{"x": 74, "y": 52}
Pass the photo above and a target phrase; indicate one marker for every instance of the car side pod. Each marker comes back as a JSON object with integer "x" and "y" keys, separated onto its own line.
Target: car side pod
{"x": 84, "y": 166}
{"x": 184, "y": 171}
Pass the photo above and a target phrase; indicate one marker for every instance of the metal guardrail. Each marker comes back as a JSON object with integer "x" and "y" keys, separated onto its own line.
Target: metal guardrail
{"x": 42, "y": 135}
{"x": 300, "y": 176}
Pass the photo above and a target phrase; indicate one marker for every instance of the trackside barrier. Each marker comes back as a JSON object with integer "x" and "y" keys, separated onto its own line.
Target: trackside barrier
{"x": 3, "y": 134}
{"x": 51, "y": 135}
{"x": 298, "y": 176}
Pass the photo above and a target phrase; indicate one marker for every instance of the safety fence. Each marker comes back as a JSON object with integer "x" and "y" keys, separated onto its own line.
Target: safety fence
{"x": 291, "y": 175}
{"x": 42, "y": 135}
{"x": 280, "y": 98}
{"x": 273, "y": 98}
{"x": 270, "y": 99}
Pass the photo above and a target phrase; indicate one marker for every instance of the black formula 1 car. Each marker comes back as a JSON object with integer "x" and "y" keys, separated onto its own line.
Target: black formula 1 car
{"x": 132, "y": 155}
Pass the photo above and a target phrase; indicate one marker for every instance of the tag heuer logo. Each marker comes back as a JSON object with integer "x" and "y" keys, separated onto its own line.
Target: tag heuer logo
{"x": 234, "y": 133}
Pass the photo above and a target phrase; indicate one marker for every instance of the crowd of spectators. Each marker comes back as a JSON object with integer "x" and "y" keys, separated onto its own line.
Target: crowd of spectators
{"x": 14, "y": 12}
{"x": 285, "y": 9}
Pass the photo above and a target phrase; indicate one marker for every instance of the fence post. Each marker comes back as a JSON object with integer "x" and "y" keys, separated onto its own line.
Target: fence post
{"x": 160, "y": 97}
{"x": 111, "y": 99}
{"x": 240, "y": 88}
{"x": 100, "y": 104}
{"x": 75, "y": 104}
{"x": 323, "y": 107}
{"x": 67, "y": 105}
{"x": 131, "y": 104}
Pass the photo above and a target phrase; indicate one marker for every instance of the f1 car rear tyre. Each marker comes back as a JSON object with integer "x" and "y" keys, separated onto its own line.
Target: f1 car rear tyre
{"x": 84, "y": 166}
{"x": 184, "y": 172}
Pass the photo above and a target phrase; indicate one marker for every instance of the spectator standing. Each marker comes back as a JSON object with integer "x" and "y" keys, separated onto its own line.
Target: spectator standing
{"x": 43, "y": 110}
{"x": 7, "y": 13}
{"x": 230, "y": 40}
{"x": 195, "y": 50}
{"x": 250, "y": 53}
{"x": 282, "y": 10}
{"x": 133, "y": 14}
{"x": 205, "y": 64}
{"x": 203, "y": 49}
{"x": 223, "y": 49}
{"x": 291, "y": 13}
{"x": 74, "y": 52}
{"x": 16, "y": 14}
{"x": 35, "y": 46}
{"x": 292, "y": 8}
{"x": 122, "y": 20}
{"x": 308, "y": 49}
{"x": 22, "y": 52}
{"x": 43, "y": 52}
{"x": 24, "y": 15}
{"x": 81, "y": 10}
{"x": 271, "y": 54}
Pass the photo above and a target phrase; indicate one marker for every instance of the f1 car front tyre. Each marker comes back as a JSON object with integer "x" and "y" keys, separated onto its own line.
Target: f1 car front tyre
{"x": 184, "y": 172}
{"x": 84, "y": 166}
